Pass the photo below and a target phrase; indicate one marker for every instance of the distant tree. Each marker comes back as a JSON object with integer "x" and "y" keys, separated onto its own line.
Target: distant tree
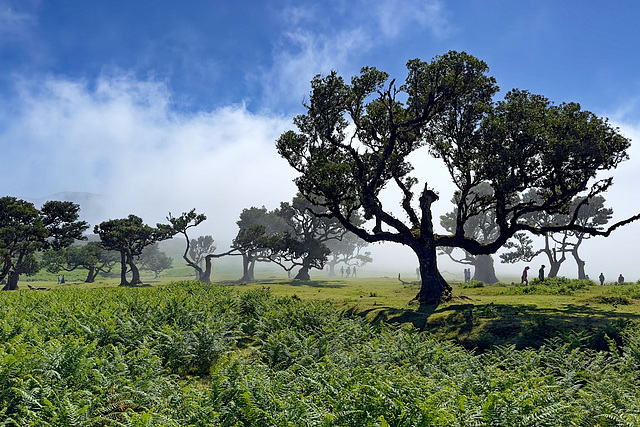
{"x": 303, "y": 244}
{"x": 258, "y": 233}
{"x": 129, "y": 236}
{"x": 589, "y": 214}
{"x": 25, "y": 230}
{"x": 91, "y": 256}
{"x": 153, "y": 259}
{"x": 482, "y": 227}
{"x": 349, "y": 250}
{"x": 200, "y": 249}
{"x": 521, "y": 248}
{"x": 355, "y": 140}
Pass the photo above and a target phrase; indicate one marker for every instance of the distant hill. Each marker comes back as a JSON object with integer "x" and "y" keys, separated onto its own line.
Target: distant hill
{"x": 92, "y": 206}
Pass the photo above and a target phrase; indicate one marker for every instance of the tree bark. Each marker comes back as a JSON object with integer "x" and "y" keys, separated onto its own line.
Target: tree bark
{"x": 434, "y": 289}
{"x": 123, "y": 269}
{"x": 205, "y": 276}
{"x": 484, "y": 269}
{"x": 303, "y": 274}
{"x": 552, "y": 255}
{"x": 12, "y": 281}
{"x": 248, "y": 267}
{"x": 581, "y": 273}
{"x": 135, "y": 273}
{"x": 91, "y": 275}
{"x": 332, "y": 269}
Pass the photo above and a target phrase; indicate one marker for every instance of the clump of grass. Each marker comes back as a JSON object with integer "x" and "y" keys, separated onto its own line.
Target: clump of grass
{"x": 631, "y": 290}
{"x": 550, "y": 286}
{"x": 472, "y": 284}
{"x": 613, "y": 300}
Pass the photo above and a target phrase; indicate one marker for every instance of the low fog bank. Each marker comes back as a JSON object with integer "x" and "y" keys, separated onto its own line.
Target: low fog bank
{"x": 605, "y": 255}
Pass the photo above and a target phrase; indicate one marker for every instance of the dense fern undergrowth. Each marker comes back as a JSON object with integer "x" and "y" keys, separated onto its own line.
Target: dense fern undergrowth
{"x": 196, "y": 355}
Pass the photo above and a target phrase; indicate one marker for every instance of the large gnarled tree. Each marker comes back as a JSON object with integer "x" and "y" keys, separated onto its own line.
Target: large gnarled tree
{"x": 354, "y": 140}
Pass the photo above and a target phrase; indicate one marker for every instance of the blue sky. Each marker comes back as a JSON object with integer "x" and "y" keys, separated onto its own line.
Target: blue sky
{"x": 166, "y": 105}
{"x": 213, "y": 53}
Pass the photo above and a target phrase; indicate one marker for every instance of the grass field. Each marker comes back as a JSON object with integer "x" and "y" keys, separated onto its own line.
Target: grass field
{"x": 286, "y": 353}
{"x": 476, "y": 317}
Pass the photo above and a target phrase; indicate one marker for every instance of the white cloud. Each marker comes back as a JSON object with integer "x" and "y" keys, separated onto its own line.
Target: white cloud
{"x": 304, "y": 54}
{"x": 333, "y": 38}
{"x": 395, "y": 16}
{"x": 122, "y": 139}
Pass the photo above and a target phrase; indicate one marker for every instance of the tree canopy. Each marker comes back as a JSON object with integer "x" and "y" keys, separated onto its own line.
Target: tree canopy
{"x": 355, "y": 138}
{"x": 304, "y": 242}
{"x": 130, "y": 236}
{"x": 91, "y": 256}
{"x": 259, "y": 232}
{"x": 25, "y": 230}
{"x": 153, "y": 259}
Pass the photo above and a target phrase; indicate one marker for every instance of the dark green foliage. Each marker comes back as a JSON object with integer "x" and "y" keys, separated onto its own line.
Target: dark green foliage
{"x": 25, "y": 230}
{"x": 195, "y": 355}
{"x": 130, "y": 236}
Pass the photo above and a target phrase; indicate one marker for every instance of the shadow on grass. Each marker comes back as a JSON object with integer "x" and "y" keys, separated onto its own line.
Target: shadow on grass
{"x": 481, "y": 327}
{"x": 288, "y": 282}
{"x": 316, "y": 283}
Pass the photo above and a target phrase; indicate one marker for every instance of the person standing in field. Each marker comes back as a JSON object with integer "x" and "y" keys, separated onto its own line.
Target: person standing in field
{"x": 353, "y": 273}
{"x": 621, "y": 279}
{"x": 601, "y": 279}
{"x": 525, "y": 280}
{"x": 541, "y": 274}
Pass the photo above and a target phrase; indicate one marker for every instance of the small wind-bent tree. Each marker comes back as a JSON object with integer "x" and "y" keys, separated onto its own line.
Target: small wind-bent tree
{"x": 129, "y": 236}
{"x": 303, "y": 244}
{"x": 25, "y": 230}
{"x": 153, "y": 259}
{"x": 93, "y": 257}
{"x": 355, "y": 140}
{"x": 258, "y": 233}
{"x": 198, "y": 250}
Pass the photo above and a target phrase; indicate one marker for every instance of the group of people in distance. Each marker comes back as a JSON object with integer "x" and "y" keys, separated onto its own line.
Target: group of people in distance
{"x": 601, "y": 277}
{"x": 348, "y": 271}
{"x": 525, "y": 275}
{"x": 525, "y": 279}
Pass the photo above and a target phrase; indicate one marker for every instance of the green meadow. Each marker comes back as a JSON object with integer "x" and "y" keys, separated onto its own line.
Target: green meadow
{"x": 328, "y": 352}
